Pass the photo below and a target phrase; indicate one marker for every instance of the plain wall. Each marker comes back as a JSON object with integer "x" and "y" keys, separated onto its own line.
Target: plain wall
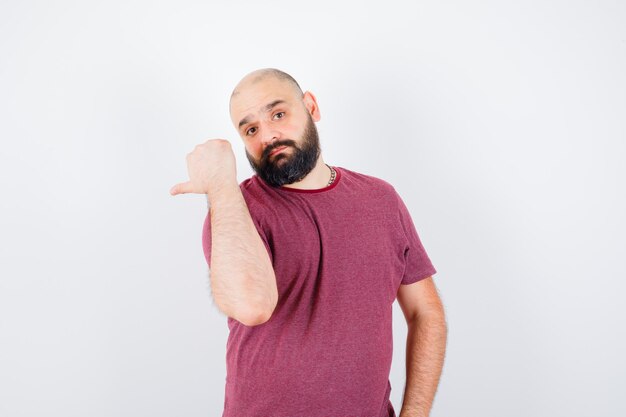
{"x": 500, "y": 123}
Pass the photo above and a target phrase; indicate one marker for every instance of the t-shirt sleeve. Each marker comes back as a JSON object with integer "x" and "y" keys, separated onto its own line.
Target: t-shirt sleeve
{"x": 417, "y": 263}
{"x": 206, "y": 238}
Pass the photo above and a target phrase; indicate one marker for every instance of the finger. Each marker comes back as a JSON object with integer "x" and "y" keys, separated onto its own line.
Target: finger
{"x": 181, "y": 188}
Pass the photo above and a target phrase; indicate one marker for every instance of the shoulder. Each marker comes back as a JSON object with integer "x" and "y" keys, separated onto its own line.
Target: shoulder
{"x": 370, "y": 183}
{"x": 250, "y": 189}
{"x": 257, "y": 198}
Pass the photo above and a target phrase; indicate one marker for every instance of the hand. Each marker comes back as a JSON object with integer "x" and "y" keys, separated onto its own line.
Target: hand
{"x": 209, "y": 165}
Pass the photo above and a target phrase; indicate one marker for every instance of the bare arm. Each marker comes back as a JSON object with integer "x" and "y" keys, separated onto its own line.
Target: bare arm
{"x": 243, "y": 282}
{"x": 242, "y": 278}
{"x": 425, "y": 345}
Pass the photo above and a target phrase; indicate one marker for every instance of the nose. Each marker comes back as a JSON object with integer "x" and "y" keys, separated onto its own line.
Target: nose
{"x": 268, "y": 135}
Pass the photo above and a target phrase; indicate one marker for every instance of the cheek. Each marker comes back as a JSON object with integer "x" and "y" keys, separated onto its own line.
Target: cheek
{"x": 255, "y": 149}
{"x": 258, "y": 150}
{"x": 291, "y": 130}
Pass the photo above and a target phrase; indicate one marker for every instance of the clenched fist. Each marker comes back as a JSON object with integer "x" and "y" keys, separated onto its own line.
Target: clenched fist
{"x": 209, "y": 165}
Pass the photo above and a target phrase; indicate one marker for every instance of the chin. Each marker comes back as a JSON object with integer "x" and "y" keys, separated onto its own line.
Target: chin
{"x": 280, "y": 157}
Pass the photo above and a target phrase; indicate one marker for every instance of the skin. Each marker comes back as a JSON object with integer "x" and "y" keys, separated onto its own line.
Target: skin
{"x": 425, "y": 346}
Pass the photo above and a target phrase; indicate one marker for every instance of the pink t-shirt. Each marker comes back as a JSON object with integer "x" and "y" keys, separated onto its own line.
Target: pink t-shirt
{"x": 340, "y": 254}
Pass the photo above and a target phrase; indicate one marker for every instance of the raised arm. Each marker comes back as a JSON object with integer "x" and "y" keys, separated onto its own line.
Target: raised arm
{"x": 242, "y": 278}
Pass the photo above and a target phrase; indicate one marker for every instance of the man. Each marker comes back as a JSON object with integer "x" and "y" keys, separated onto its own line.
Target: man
{"x": 306, "y": 260}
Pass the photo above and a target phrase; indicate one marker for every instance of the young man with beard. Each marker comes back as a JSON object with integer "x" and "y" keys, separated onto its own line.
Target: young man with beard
{"x": 306, "y": 260}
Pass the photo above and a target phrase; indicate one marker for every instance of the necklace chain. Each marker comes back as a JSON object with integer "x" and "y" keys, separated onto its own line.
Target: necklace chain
{"x": 332, "y": 175}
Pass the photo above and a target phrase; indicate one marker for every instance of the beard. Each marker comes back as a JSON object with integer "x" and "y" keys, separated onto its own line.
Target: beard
{"x": 285, "y": 168}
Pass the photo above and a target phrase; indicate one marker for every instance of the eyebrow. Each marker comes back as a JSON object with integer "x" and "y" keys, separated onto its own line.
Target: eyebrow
{"x": 266, "y": 108}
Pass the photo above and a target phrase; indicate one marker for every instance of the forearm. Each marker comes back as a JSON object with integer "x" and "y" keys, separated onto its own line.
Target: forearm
{"x": 425, "y": 351}
{"x": 242, "y": 277}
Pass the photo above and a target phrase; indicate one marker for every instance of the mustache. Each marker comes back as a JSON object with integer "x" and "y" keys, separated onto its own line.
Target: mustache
{"x": 272, "y": 147}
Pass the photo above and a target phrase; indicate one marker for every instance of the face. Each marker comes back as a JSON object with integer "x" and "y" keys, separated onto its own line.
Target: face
{"x": 277, "y": 126}
{"x": 293, "y": 163}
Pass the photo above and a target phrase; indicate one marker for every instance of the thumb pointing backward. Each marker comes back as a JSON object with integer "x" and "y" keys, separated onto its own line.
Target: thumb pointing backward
{"x": 181, "y": 188}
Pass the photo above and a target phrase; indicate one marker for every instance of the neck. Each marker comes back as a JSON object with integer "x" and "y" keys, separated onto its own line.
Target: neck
{"x": 317, "y": 178}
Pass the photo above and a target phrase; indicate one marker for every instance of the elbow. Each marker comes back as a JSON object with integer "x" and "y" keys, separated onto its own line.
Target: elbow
{"x": 252, "y": 308}
{"x": 263, "y": 307}
{"x": 255, "y": 317}
{"x": 258, "y": 313}
{"x": 248, "y": 316}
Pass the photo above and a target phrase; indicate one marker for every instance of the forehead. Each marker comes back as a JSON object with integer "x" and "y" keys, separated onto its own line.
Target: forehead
{"x": 251, "y": 96}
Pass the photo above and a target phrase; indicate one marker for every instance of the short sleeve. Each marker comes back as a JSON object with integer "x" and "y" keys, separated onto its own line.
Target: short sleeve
{"x": 206, "y": 238}
{"x": 417, "y": 263}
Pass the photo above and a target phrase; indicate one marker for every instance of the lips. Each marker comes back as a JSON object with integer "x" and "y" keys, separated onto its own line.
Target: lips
{"x": 277, "y": 150}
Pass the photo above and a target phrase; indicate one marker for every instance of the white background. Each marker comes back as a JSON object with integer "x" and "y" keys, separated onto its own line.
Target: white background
{"x": 500, "y": 123}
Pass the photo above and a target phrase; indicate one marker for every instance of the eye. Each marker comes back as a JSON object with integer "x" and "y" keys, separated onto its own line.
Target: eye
{"x": 251, "y": 129}
{"x": 281, "y": 113}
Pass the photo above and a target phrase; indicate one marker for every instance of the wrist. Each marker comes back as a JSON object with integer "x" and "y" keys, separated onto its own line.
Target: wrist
{"x": 221, "y": 187}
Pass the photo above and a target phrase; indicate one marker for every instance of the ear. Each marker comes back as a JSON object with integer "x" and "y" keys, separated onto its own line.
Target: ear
{"x": 310, "y": 103}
